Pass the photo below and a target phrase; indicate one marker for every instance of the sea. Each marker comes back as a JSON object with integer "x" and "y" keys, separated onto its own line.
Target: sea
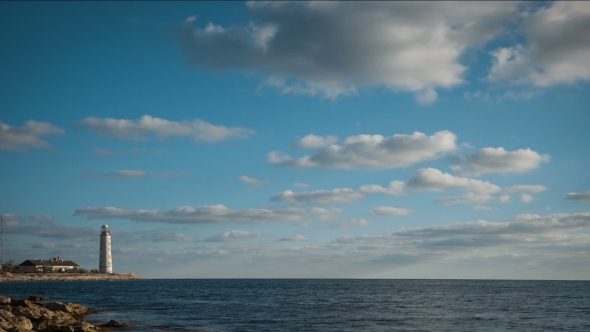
{"x": 326, "y": 304}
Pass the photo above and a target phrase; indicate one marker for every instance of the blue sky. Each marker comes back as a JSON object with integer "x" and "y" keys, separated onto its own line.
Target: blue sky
{"x": 261, "y": 139}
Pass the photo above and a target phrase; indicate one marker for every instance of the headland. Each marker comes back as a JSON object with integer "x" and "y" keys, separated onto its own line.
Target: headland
{"x": 37, "y": 277}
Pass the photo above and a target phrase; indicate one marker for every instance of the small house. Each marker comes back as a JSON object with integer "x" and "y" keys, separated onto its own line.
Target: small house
{"x": 57, "y": 264}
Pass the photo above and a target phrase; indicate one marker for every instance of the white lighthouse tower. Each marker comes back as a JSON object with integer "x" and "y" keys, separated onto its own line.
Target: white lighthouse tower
{"x": 105, "y": 264}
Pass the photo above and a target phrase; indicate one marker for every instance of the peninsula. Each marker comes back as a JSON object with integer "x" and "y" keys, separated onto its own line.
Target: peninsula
{"x": 37, "y": 277}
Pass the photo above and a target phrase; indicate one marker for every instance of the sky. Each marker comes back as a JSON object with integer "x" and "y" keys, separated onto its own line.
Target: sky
{"x": 299, "y": 139}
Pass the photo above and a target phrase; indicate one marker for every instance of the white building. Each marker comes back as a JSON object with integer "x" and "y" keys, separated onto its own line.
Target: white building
{"x": 105, "y": 264}
{"x": 55, "y": 264}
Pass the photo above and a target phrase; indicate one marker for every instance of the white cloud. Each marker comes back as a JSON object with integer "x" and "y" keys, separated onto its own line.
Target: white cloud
{"x": 208, "y": 214}
{"x": 103, "y": 152}
{"x": 498, "y": 160}
{"x": 526, "y": 198}
{"x": 312, "y": 141}
{"x": 579, "y": 197}
{"x": 504, "y": 198}
{"x": 373, "y": 152}
{"x": 524, "y": 189}
{"x": 142, "y": 129}
{"x": 160, "y": 235}
{"x": 130, "y": 173}
{"x": 426, "y": 97}
{"x": 355, "y": 222}
{"x": 335, "y": 196}
{"x": 390, "y": 211}
{"x": 308, "y": 49}
{"x": 469, "y": 198}
{"x": 301, "y": 185}
{"x": 481, "y": 208}
{"x": 556, "y": 52}
{"x": 234, "y": 235}
{"x": 431, "y": 179}
{"x": 27, "y": 136}
{"x": 40, "y": 218}
{"x": 395, "y": 188}
{"x": 252, "y": 181}
{"x": 294, "y": 238}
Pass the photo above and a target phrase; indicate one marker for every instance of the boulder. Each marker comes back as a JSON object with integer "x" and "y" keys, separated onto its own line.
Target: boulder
{"x": 4, "y": 299}
{"x": 14, "y": 322}
{"x": 114, "y": 323}
{"x": 35, "y": 297}
{"x": 22, "y": 303}
{"x": 73, "y": 309}
{"x": 34, "y": 314}
{"x": 74, "y": 327}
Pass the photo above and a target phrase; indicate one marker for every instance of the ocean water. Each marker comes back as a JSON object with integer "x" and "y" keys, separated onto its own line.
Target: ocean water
{"x": 327, "y": 305}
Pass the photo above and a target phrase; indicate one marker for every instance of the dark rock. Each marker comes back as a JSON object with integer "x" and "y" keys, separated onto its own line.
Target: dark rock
{"x": 114, "y": 323}
{"x": 35, "y": 297}
{"x": 22, "y": 303}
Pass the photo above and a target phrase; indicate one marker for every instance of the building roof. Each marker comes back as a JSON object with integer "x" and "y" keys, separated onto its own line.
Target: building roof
{"x": 49, "y": 262}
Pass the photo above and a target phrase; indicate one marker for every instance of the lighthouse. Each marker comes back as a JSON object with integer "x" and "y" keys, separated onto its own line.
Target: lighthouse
{"x": 105, "y": 264}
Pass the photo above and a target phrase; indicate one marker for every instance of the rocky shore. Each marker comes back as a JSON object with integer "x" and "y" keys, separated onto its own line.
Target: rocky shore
{"x": 35, "y": 277}
{"x": 18, "y": 315}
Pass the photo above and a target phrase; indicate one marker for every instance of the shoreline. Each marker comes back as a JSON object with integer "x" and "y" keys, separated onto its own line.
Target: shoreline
{"x": 44, "y": 277}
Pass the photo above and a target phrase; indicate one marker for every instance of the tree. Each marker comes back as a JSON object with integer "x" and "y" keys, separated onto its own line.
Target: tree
{"x": 10, "y": 267}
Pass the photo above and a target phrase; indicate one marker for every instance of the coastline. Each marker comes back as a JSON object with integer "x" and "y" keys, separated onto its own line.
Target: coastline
{"x": 40, "y": 277}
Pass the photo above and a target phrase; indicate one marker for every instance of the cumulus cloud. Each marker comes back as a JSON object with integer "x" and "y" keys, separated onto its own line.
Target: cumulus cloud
{"x": 373, "y": 152}
{"x": 526, "y": 198}
{"x": 579, "y": 197}
{"x": 11, "y": 219}
{"x": 524, "y": 189}
{"x": 497, "y": 160}
{"x": 355, "y": 222}
{"x": 130, "y": 173}
{"x": 27, "y": 136}
{"x": 332, "y": 50}
{"x": 251, "y": 181}
{"x": 432, "y": 179}
{"x": 48, "y": 229}
{"x": 294, "y": 238}
{"x": 555, "y": 51}
{"x": 504, "y": 198}
{"x": 312, "y": 141}
{"x": 395, "y": 188}
{"x": 208, "y": 214}
{"x": 234, "y": 235}
{"x": 390, "y": 211}
{"x": 335, "y": 196}
{"x": 469, "y": 198}
{"x": 144, "y": 127}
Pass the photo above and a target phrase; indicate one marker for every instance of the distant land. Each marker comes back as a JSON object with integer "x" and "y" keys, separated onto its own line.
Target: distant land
{"x": 36, "y": 277}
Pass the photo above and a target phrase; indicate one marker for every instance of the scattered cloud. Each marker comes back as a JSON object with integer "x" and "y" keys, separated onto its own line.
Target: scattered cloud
{"x": 526, "y": 198}
{"x": 11, "y": 220}
{"x": 497, "y": 160}
{"x": 144, "y": 127}
{"x": 335, "y": 196}
{"x": 48, "y": 229}
{"x": 235, "y": 235}
{"x": 432, "y": 179}
{"x": 373, "y": 152}
{"x": 27, "y": 136}
{"x": 334, "y": 50}
{"x": 554, "y": 53}
{"x": 130, "y": 173}
{"x": 43, "y": 245}
{"x": 469, "y": 198}
{"x": 160, "y": 235}
{"x": 579, "y": 197}
{"x": 390, "y": 211}
{"x": 40, "y": 218}
{"x": 481, "y": 208}
{"x": 504, "y": 198}
{"x": 301, "y": 185}
{"x": 524, "y": 189}
{"x": 209, "y": 214}
{"x": 294, "y": 238}
{"x": 312, "y": 141}
{"x": 103, "y": 152}
{"x": 251, "y": 181}
{"x": 355, "y": 222}
{"x": 395, "y": 187}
